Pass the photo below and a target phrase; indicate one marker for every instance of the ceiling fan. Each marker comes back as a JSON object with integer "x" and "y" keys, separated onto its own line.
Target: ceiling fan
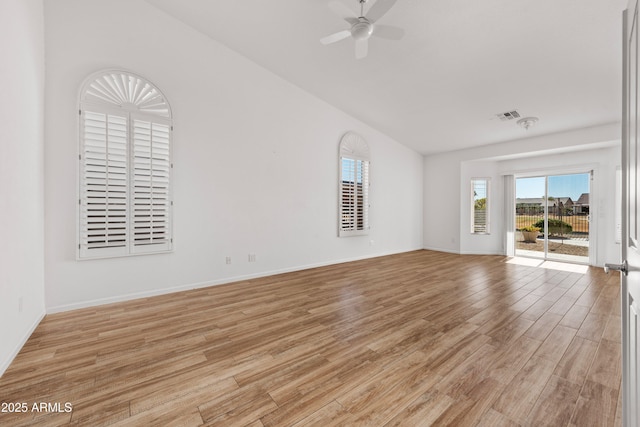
{"x": 363, "y": 27}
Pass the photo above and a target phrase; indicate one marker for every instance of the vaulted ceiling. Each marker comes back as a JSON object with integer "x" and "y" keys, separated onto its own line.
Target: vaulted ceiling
{"x": 460, "y": 62}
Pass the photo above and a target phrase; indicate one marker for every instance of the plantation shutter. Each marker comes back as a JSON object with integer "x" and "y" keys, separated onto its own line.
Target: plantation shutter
{"x": 480, "y": 206}
{"x": 151, "y": 172}
{"x": 125, "y": 167}
{"x": 353, "y": 186}
{"x": 104, "y": 186}
{"x": 348, "y": 194}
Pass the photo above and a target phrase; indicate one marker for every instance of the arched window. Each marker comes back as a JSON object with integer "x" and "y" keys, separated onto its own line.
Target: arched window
{"x": 353, "y": 186}
{"x": 125, "y": 167}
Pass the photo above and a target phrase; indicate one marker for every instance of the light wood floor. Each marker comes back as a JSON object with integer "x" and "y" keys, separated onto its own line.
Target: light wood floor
{"x": 413, "y": 339}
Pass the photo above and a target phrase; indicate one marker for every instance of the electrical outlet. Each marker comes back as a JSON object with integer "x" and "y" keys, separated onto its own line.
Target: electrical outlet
{"x": 371, "y": 243}
{"x": 228, "y": 260}
{"x": 252, "y": 257}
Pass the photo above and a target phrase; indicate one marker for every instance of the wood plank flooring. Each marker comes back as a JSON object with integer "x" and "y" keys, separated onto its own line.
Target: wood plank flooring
{"x": 415, "y": 339}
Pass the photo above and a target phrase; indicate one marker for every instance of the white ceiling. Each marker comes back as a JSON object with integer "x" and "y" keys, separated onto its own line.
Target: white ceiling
{"x": 460, "y": 63}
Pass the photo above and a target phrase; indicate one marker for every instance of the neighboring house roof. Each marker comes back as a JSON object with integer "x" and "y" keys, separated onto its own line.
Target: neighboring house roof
{"x": 583, "y": 199}
{"x": 564, "y": 200}
{"x": 540, "y": 201}
{"x": 530, "y": 201}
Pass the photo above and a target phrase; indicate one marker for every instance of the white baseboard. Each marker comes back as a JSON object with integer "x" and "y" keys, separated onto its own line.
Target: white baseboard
{"x": 451, "y": 251}
{"x": 5, "y": 363}
{"x": 482, "y": 253}
{"x": 433, "y": 248}
{"x": 226, "y": 280}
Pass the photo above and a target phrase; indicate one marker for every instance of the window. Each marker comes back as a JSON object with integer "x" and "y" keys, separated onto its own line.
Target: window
{"x": 480, "y": 206}
{"x": 353, "y": 186}
{"x": 125, "y": 167}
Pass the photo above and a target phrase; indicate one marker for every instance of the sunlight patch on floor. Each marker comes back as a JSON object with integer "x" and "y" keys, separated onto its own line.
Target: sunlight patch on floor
{"x": 529, "y": 262}
{"x": 563, "y": 266}
{"x": 551, "y": 265}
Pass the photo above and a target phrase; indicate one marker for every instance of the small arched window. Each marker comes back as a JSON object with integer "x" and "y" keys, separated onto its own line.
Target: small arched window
{"x": 353, "y": 187}
{"x": 125, "y": 167}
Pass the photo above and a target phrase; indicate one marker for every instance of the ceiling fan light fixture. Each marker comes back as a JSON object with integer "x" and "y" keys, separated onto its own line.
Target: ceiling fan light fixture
{"x": 362, "y": 30}
{"x": 362, "y": 27}
{"x": 527, "y": 122}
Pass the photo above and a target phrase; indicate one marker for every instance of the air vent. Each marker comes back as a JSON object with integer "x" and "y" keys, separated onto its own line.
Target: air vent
{"x": 509, "y": 115}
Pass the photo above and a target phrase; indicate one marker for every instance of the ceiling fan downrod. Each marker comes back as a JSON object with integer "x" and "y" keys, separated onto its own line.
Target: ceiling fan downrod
{"x": 362, "y": 2}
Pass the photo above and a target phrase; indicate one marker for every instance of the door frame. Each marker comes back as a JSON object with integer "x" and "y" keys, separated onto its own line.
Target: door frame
{"x": 629, "y": 408}
{"x": 593, "y": 207}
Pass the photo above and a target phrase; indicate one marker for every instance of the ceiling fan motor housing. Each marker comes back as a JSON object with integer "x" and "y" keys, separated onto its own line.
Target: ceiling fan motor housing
{"x": 362, "y": 30}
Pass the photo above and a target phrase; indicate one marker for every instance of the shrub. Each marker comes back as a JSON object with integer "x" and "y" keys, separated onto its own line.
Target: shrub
{"x": 556, "y": 226}
{"x": 530, "y": 228}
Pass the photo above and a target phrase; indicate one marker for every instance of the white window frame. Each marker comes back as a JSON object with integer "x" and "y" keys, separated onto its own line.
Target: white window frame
{"x": 147, "y": 198}
{"x": 487, "y": 225}
{"x": 353, "y": 199}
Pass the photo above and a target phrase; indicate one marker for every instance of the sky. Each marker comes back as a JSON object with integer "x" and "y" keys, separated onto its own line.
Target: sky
{"x": 559, "y": 186}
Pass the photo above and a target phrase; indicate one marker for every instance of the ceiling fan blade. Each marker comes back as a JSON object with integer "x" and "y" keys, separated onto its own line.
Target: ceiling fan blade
{"x": 352, "y": 21}
{"x": 388, "y": 32}
{"x": 336, "y": 37}
{"x": 342, "y": 11}
{"x": 362, "y": 48}
{"x": 379, "y": 9}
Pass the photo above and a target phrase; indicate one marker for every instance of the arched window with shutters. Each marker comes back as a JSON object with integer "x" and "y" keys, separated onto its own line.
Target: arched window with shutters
{"x": 353, "y": 187}
{"x": 125, "y": 200}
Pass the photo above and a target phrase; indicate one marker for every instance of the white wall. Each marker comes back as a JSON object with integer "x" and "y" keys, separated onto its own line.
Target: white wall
{"x": 21, "y": 174}
{"x": 442, "y": 226}
{"x": 447, "y": 178}
{"x": 255, "y": 161}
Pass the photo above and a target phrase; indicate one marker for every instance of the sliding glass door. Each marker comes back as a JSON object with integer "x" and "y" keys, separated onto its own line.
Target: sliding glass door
{"x": 530, "y": 207}
{"x": 552, "y": 217}
{"x": 568, "y": 217}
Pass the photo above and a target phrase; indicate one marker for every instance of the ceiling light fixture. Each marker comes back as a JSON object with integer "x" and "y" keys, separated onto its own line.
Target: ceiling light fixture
{"x": 362, "y": 27}
{"x": 527, "y": 122}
